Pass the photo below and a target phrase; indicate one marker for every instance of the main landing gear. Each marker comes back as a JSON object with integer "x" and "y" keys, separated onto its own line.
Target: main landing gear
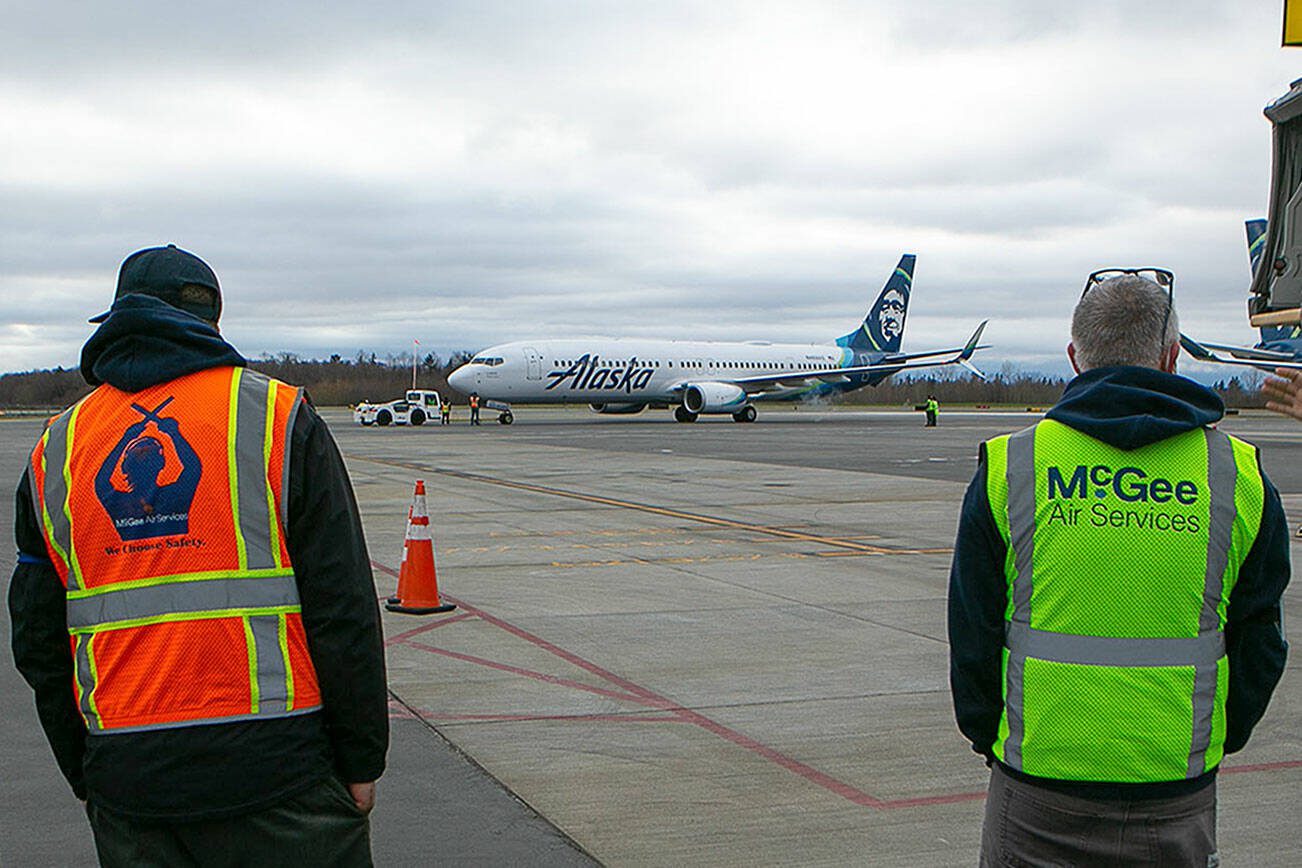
{"x": 745, "y": 414}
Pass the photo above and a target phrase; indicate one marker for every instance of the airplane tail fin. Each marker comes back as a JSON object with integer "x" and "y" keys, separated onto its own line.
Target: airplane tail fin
{"x": 882, "y": 329}
{"x": 1256, "y": 230}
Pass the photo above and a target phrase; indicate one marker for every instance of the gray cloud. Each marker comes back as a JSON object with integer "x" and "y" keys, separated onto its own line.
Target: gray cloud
{"x": 473, "y": 172}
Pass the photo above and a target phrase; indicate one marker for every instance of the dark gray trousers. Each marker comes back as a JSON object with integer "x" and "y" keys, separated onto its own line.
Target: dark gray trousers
{"x": 320, "y": 826}
{"x": 1027, "y": 825}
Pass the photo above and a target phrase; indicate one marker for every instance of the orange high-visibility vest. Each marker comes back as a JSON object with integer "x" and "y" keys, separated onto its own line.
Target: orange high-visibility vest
{"x": 163, "y": 513}
{"x": 474, "y": 401}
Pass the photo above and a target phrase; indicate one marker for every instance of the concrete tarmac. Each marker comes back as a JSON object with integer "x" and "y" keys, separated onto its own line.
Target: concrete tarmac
{"x": 681, "y": 644}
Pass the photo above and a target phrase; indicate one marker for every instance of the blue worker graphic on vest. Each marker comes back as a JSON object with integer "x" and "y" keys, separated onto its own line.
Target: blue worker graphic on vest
{"x": 148, "y": 481}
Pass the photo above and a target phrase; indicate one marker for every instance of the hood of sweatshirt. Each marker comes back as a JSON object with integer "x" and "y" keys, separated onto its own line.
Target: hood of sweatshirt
{"x": 1129, "y": 407}
{"x": 146, "y": 341}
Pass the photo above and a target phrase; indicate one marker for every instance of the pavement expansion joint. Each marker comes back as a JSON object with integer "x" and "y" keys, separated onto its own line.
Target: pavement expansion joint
{"x": 836, "y": 542}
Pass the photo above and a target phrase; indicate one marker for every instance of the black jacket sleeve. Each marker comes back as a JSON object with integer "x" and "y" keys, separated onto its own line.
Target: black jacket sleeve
{"x": 1254, "y": 634}
{"x": 42, "y": 653}
{"x": 341, "y": 613}
{"x": 977, "y": 600}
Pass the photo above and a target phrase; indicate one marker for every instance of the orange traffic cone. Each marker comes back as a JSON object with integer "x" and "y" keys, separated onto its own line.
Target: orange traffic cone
{"x": 418, "y": 586}
{"x": 402, "y": 561}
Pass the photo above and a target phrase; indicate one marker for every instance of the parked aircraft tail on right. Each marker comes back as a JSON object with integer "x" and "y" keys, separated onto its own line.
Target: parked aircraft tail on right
{"x": 1256, "y": 230}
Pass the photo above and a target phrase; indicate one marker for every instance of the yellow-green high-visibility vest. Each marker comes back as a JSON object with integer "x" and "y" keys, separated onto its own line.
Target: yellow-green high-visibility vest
{"x": 1120, "y": 566}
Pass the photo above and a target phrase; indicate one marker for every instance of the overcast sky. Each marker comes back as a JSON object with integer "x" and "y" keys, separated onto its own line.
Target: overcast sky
{"x": 361, "y": 174}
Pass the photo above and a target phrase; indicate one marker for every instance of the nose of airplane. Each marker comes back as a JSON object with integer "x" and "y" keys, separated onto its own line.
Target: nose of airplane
{"x": 460, "y": 379}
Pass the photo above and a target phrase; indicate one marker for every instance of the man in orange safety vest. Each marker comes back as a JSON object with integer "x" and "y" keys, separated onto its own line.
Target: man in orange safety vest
{"x": 193, "y": 604}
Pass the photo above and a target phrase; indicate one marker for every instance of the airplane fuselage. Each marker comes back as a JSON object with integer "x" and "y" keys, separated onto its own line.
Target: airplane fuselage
{"x": 616, "y": 371}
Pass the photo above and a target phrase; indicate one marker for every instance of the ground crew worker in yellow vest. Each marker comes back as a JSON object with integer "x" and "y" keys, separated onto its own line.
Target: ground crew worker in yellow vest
{"x": 193, "y": 603}
{"x": 1114, "y": 603}
{"x": 933, "y": 408}
{"x": 445, "y": 412}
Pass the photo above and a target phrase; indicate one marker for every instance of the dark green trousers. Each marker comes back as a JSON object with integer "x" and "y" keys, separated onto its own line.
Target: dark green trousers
{"x": 319, "y": 827}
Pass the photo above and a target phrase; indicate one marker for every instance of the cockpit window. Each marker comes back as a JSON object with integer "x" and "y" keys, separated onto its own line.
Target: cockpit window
{"x": 490, "y": 361}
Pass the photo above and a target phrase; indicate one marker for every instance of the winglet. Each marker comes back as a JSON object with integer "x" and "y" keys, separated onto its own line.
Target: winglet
{"x": 971, "y": 345}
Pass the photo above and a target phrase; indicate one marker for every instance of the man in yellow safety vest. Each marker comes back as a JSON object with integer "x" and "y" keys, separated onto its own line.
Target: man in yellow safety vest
{"x": 1114, "y": 604}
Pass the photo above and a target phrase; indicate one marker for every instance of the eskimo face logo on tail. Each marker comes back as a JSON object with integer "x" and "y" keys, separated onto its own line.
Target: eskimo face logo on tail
{"x": 890, "y": 315}
{"x": 590, "y": 372}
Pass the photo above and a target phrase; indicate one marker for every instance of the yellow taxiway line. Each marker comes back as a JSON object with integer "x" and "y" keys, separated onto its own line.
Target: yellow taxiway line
{"x": 835, "y": 542}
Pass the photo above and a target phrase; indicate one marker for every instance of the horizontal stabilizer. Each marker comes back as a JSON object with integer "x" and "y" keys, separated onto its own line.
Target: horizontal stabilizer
{"x": 888, "y": 365}
{"x": 1265, "y": 360}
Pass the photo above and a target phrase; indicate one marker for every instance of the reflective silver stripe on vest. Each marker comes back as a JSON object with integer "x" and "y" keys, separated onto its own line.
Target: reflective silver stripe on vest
{"x": 1021, "y": 518}
{"x": 86, "y": 682}
{"x": 203, "y": 721}
{"x": 56, "y": 493}
{"x": 273, "y": 697}
{"x": 251, "y": 408}
{"x": 195, "y": 596}
{"x": 1222, "y": 476}
{"x": 1202, "y": 652}
{"x": 1020, "y": 472}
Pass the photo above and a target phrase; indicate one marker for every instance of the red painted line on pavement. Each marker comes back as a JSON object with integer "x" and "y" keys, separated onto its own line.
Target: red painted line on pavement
{"x": 1261, "y": 767}
{"x": 807, "y": 772}
{"x": 641, "y": 695}
{"x": 569, "y": 657}
{"x": 529, "y": 673}
{"x": 927, "y": 801}
{"x": 398, "y": 711}
{"x": 433, "y": 625}
{"x": 602, "y": 718}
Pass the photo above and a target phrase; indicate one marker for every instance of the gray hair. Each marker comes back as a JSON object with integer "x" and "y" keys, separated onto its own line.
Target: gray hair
{"x": 1119, "y": 322}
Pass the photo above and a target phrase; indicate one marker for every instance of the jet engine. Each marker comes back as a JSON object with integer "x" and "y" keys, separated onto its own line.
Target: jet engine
{"x": 617, "y": 409}
{"x": 714, "y": 397}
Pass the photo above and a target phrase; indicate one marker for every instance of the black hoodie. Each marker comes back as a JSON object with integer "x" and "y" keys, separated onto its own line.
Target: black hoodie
{"x": 205, "y": 772}
{"x": 1125, "y": 407}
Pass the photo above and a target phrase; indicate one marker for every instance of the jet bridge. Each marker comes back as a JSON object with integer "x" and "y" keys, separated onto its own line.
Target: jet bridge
{"x": 1277, "y": 287}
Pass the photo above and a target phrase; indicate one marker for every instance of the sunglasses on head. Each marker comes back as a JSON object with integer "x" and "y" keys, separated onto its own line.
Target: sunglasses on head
{"x": 1160, "y": 276}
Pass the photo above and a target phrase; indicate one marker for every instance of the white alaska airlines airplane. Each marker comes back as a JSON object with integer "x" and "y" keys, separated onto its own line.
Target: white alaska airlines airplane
{"x": 616, "y": 375}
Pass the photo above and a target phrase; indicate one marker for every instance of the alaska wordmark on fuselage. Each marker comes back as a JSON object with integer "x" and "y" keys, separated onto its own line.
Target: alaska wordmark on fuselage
{"x": 620, "y": 375}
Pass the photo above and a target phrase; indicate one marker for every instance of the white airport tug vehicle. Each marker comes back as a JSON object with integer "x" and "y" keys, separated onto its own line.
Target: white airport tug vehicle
{"x": 417, "y": 407}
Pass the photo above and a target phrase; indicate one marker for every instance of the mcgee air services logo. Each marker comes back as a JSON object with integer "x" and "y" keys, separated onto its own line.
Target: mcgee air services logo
{"x": 1126, "y": 497}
